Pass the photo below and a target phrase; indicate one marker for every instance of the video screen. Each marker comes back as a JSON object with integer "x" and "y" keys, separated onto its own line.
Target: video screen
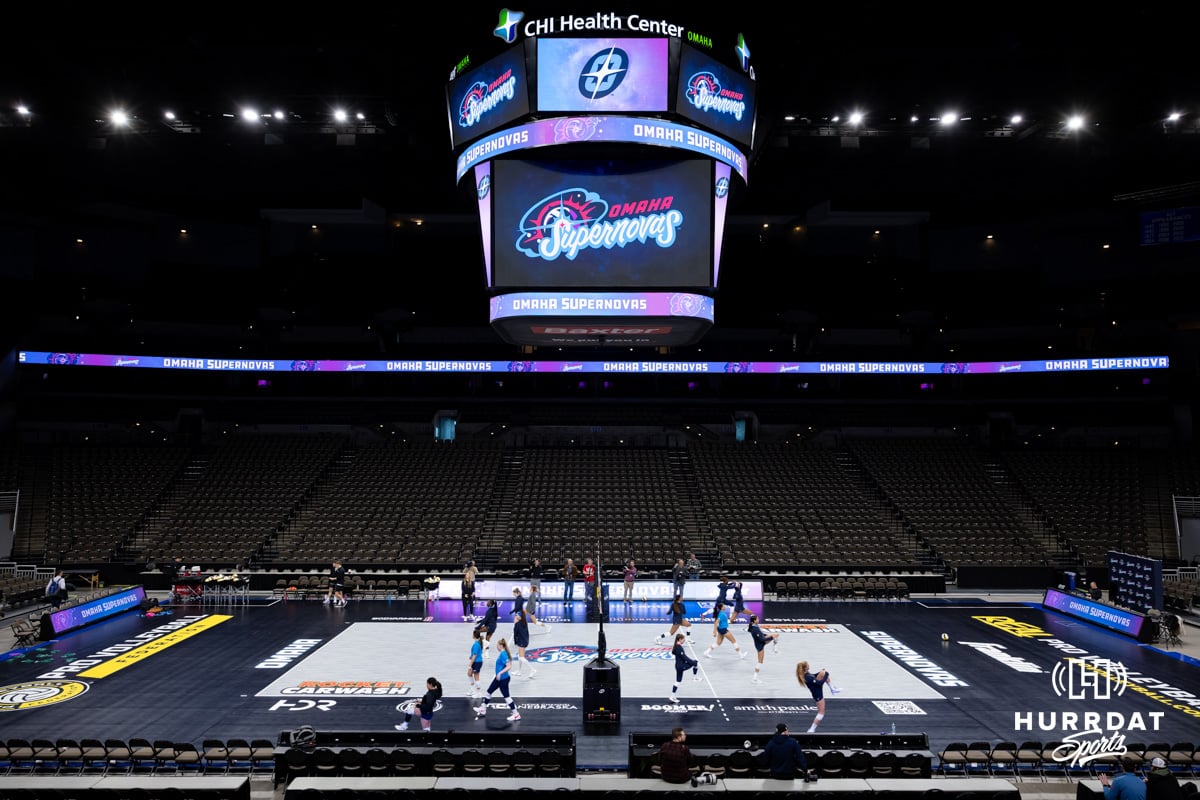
{"x": 716, "y": 96}
{"x": 602, "y": 75}
{"x": 488, "y": 97}
{"x": 583, "y": 224}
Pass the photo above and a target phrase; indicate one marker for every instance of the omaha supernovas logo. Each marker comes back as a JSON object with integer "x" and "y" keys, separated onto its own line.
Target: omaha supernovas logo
{"x": 36, "y": 694}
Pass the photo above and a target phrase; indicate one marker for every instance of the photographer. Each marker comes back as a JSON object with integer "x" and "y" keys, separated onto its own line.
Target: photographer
{"x": 785, "y": 759}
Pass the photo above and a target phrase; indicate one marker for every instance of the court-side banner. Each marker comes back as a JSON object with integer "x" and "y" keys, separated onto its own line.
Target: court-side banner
{"x": 597, "y": 367}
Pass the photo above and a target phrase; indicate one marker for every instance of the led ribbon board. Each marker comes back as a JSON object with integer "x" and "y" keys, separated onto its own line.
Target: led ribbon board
{"x": 221, "y": 364}
{"x": 602, "y": 130}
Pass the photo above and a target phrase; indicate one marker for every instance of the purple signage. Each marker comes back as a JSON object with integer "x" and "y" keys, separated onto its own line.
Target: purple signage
{"x": 66, "y": 619}
{"x": 647, "y": 367}
{"x": 1116, "y": 619}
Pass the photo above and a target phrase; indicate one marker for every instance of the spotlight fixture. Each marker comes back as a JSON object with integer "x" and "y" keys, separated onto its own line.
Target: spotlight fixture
{"x": 119, "y": 118}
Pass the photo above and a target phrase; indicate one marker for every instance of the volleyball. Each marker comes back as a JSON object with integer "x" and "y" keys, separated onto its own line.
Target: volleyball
{"x": 945, "y": 637}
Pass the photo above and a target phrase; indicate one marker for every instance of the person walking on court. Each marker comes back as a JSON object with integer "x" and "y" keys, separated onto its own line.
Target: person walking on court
{"x": 570, "y": 573}
{"x": 500, "y": 683}
{"x": 760, "y": 642}
{"x": 683, "y": 662}
{"x": 589, "y": 580}
{"x": 468, "y": 591}
{"x": 816, "y": 686}
{"x": 678, "y": 620}
{"x": 521, "y": 640}
{"x": 475, "y": 664}
{"x": 518, "y": 602}
{"x": 679, "y": 576}
{"x": 628, "y": 577}
{"x": 487, "y": 625}
{"x": 535, "y": 574}
{"x": 433, "y": 693}
{"x": 721, "y": 623}
{"x": 337, "y": 584}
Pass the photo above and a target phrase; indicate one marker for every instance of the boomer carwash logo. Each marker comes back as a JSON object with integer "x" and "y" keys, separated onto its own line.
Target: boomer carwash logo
{"x": 36, "y": 694}
{"x": 705, "y": 93}
{"x": 576, "y": 219}
{"x": 483, "y": 97}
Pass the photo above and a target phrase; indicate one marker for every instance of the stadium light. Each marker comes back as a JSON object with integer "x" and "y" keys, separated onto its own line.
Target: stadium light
{"x": 1075, "y": 122}
{"x": 169, "y": 116}
{"x": 278, "y": 115}
{"x": 250, "y": 115}
{"x": 1174, "y": 116}
{"x": 949, "y": 118}
{"x": 23, "y": 110}
{"x": 1016, "y": 119}
{"x": 119, "y": 118}
{"x": 339, "y": 115}
{"x": 856, "y": 117}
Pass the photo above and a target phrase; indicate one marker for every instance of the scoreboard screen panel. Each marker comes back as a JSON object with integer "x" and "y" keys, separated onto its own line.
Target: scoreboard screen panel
{"x": 638, "y": 224}
{"x": 602, "y": 75}
{"x": 488, "y": 97}
{"x": 716, "y": 96}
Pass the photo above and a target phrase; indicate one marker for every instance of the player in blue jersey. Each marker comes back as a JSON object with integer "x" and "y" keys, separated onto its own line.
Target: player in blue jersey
{"x": 721, "y": 623}
{"x": 500, "y": 682}
{"x": 760, "y": 642}
{"x": 683, "y": 662}
{"x": 816, "y": 686}
{"x": 475, "y": 664}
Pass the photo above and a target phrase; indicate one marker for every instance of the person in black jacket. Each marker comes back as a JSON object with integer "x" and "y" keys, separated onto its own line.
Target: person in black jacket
{"x": 1161, "y": 783}
{"x": 785, "y": 759}
{"x": 426, "y": 705}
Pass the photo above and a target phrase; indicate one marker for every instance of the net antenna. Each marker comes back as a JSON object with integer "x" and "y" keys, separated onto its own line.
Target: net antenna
{"x": 601, "y": 641}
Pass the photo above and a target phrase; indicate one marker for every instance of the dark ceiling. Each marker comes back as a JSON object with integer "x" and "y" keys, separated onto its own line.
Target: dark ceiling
{"x": 883, "y": 226}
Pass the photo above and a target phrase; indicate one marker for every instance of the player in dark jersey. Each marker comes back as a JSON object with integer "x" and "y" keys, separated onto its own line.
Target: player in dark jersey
{"x": 760, "y": 642}
{"x": 816, "y": 685}
{"x": 678, "y": 620}
{"x": 683, "y": 662}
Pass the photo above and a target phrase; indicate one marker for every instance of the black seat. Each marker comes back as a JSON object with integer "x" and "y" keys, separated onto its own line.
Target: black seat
{"x": 550, "y": 764}
{"x": 833, "y": 764}
{"x": 498, "y": 763}
{"x": 885, "y": 765}
{"x": 858, "y": 765}
{"x": 376, "y": 762}
{"x": 473, "y": 763}
{"x": 401, "y": 763}
{"x": 350, "y": 762}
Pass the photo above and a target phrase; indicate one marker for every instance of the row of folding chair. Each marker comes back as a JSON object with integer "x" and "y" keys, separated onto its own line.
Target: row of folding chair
{"x": 1051, "y": 759}
{"x": 91, "y": 756}
{"x": 828, "y": 764}
{"x": 351, "y": 762}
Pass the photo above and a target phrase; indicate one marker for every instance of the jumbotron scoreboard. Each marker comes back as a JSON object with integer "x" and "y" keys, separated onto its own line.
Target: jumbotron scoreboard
{"x": 602, "y": 149}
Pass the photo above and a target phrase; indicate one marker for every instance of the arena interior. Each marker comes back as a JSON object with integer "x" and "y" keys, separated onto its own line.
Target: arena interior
{"x": 928, "y": 408}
